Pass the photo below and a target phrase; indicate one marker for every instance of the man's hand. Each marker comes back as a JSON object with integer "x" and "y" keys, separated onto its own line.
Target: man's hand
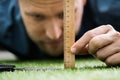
{"x": 102, "y": 42}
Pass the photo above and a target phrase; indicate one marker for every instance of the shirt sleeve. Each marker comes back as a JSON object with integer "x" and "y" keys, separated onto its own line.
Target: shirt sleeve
{"x": 12, "y": 33}
{"x": 5, "y": 16}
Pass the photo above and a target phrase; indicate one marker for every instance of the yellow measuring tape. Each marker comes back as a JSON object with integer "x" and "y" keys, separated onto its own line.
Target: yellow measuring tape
{"x": 69, "y": 33}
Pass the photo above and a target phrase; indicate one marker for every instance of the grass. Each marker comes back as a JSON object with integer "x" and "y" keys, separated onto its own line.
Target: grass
{"x": 86, "y": 69}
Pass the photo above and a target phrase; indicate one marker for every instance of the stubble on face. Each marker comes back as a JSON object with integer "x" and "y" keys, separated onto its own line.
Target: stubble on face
{"x": 52, "y": 6}
{"x": 41, "y": 40}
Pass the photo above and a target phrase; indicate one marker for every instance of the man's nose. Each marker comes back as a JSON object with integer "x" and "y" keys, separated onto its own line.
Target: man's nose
{"x": 54, "y": 30}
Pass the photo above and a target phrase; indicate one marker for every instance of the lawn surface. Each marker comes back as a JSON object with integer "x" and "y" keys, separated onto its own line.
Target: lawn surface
{"x": 86, "y": 69}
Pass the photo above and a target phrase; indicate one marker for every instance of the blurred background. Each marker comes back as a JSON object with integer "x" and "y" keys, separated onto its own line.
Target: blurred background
{"x": 6, "y": 55}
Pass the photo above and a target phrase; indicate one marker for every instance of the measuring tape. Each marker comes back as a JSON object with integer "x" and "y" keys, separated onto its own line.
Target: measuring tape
{"x": 69, "y": 33}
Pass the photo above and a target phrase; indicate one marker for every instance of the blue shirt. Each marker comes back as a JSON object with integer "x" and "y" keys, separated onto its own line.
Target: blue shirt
{"x": 13, "y": 35}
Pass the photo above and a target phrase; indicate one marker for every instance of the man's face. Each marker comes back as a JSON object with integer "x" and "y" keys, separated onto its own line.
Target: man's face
{"x": 43, "y": 20}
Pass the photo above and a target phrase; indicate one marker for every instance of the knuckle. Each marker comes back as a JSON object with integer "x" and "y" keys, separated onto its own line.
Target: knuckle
{"x": 93, "y": 45}
{"x": 90, "y": 34}
{"x": 94, "y": 42}
{"x": 109, "y": 61}
{"x": 109, "y": 26}
{"x": 116, "y": 34}
{"x": 100, "y": 56}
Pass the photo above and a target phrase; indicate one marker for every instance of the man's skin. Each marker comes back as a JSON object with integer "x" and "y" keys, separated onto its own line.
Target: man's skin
{"x": 43, "y": 21}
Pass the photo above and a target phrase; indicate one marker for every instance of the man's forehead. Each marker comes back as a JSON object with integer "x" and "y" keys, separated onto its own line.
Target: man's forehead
{"x": 43, "y": 3}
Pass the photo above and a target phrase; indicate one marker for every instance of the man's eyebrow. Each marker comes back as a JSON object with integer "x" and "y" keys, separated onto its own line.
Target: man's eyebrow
{"x": 60, "y": 13}
{"x": 33, "y": 13}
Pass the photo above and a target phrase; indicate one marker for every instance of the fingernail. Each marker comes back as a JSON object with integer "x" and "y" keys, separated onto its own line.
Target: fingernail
{"x": 73, "y": 50}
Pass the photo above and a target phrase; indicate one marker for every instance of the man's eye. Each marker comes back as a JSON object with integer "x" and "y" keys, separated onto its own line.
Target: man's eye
{"x": 39, "y": 17}
{"x": 60, "y": 15}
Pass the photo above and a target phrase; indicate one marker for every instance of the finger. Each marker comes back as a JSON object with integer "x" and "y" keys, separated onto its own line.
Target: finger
{"x": 84, "y": 51}
{"x": 105, "y": 45}
{"x": 107, "y": 51}
{"x": 84, "y": 40}
{"x": 99, "y": 42}
{"x": 103, "y": 53}
{"x": 113, "y": 60}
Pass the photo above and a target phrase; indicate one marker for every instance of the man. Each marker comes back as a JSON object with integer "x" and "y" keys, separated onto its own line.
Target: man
{"x": 38, "y": 31}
